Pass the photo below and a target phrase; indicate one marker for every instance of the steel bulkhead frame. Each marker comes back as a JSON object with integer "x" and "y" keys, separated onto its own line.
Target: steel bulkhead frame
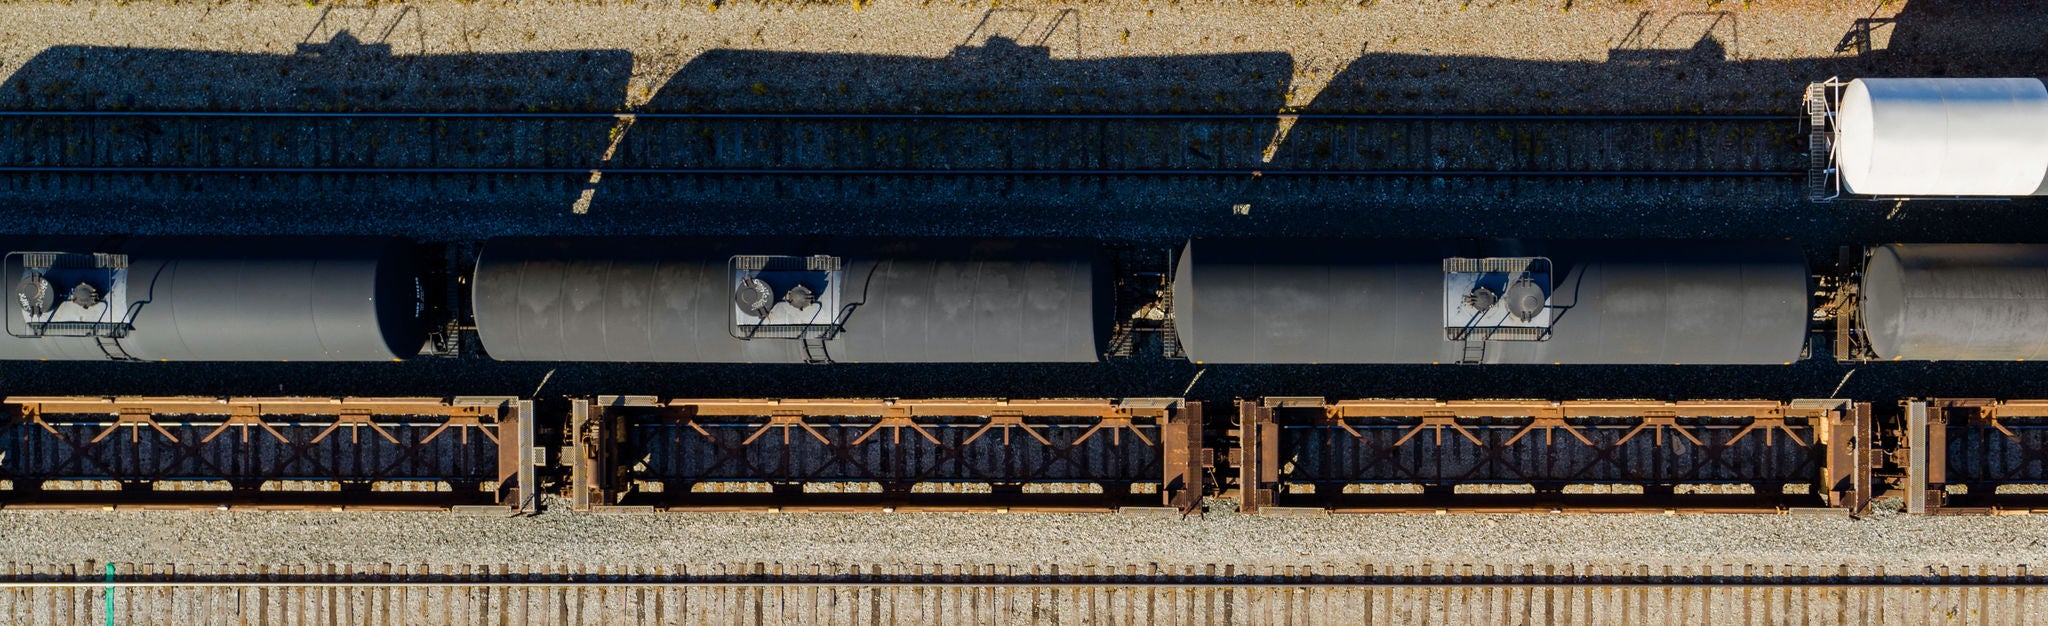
{"x": 1256, "y": 453}
{"x": 1184, "y": 461}
{"x": 596, "y": 482}
{"x": 1849, "y": 471}
{"x": 518, "y": 486}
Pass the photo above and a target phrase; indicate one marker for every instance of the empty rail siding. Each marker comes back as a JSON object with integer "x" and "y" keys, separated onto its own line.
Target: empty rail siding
{"x": 992, "y": 145}
{"x": 769, "y": 594}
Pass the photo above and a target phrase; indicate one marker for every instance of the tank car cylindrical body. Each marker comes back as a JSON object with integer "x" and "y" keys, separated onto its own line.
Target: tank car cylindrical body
{"x": 1964, "y": 302}
{"x": 1330, "y": 301}
{"x": 1943, "y": 137}
{"x": 211, "y": 299}
{"x": 792, "y": 300}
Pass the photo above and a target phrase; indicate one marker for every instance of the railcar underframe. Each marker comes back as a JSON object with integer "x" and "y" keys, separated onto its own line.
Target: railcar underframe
{"x": 639, "y": 453}
{"x": 627, "y": 454}
{"x": 469, "y": 453}
{"x": 1425, "y": 456}
{"x": 1975, "y": 455}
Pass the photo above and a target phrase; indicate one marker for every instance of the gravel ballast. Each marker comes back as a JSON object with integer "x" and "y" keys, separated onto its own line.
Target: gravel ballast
{"x": 1072, "y": 539}
{"x": 1624, "y": 57}
{"x": 1637, "y": 56}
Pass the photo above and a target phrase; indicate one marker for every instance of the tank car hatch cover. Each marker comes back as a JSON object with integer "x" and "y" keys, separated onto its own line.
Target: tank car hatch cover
{"x": 754, "y": 297}
{"x": 786, "y": 297}
{"x": 1498, "y": 298}
{"x": 63, "y": 294}
{"x": 36, "y": 295}
{"x": 1481, "y": 298}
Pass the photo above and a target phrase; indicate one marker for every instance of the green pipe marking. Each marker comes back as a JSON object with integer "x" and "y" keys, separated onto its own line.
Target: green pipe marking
{"x": 110, "y": 595}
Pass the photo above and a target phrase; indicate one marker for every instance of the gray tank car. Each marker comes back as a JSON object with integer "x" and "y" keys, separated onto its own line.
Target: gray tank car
{"x": 792, "y": 300}
{"x": 211, "y": 299}
{"x": 1592, "y": 302}
{"x": 1961, "y": 302}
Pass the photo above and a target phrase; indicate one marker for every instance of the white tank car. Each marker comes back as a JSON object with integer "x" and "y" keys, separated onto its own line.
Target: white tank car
{"x": 1943, "y": 137}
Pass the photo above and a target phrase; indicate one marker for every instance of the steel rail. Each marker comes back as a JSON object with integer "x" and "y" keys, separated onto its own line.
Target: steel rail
{"x": 1483, "y": 117}
{"x": 563, "y": 171}
{"x": 597, "y": 580}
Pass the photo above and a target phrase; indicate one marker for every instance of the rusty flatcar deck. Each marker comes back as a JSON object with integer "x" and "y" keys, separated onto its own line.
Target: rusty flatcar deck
{"x": 1416, "y": 455}
{"x": 1975, "y": 455}
{"x": 634, "y": 453}
{"x": 265, "y": 453}
{"x": 642, "y": 453}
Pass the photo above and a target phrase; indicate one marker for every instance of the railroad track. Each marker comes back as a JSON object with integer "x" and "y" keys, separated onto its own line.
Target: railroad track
{"x": 910, "y": 144}
{"x": 757, "y": 593}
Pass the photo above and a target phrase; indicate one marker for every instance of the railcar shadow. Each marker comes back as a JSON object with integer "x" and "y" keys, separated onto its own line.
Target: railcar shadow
{"x": 1673, "y": 62}
{"x": 990, "y": 74}
{"x": 1690, "y": 61}
{"x": 1677, "y": 62}
{"x": 1662, "y": 67}
{"x": 997, "y": 75}
{"x": 343, "y": 73}
{"x": 1664, "y": 62}
{"x": 334, "y": 70}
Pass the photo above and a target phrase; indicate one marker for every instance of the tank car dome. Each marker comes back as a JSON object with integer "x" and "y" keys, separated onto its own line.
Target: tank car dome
{"x": 756, "y": 300}
{"x": 1963, "y": 302}
{"x": 215, "y": 299}
{"x": 1943, "y": 137}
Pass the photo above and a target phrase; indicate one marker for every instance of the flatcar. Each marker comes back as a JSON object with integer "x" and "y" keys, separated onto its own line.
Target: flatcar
{"x": 843, "y": 300}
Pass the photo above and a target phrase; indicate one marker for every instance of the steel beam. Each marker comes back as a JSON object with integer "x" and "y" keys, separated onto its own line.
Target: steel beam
{"x": 1256, "y": 455}
{"x": 1851, "y": 443}
{"x": 1916, "y": 464}
{"x": 1555, "y": 409}
{"x": 1183, "y": 459}
{"x": 731, "y": 407}
{"x": 589, "y": 458}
